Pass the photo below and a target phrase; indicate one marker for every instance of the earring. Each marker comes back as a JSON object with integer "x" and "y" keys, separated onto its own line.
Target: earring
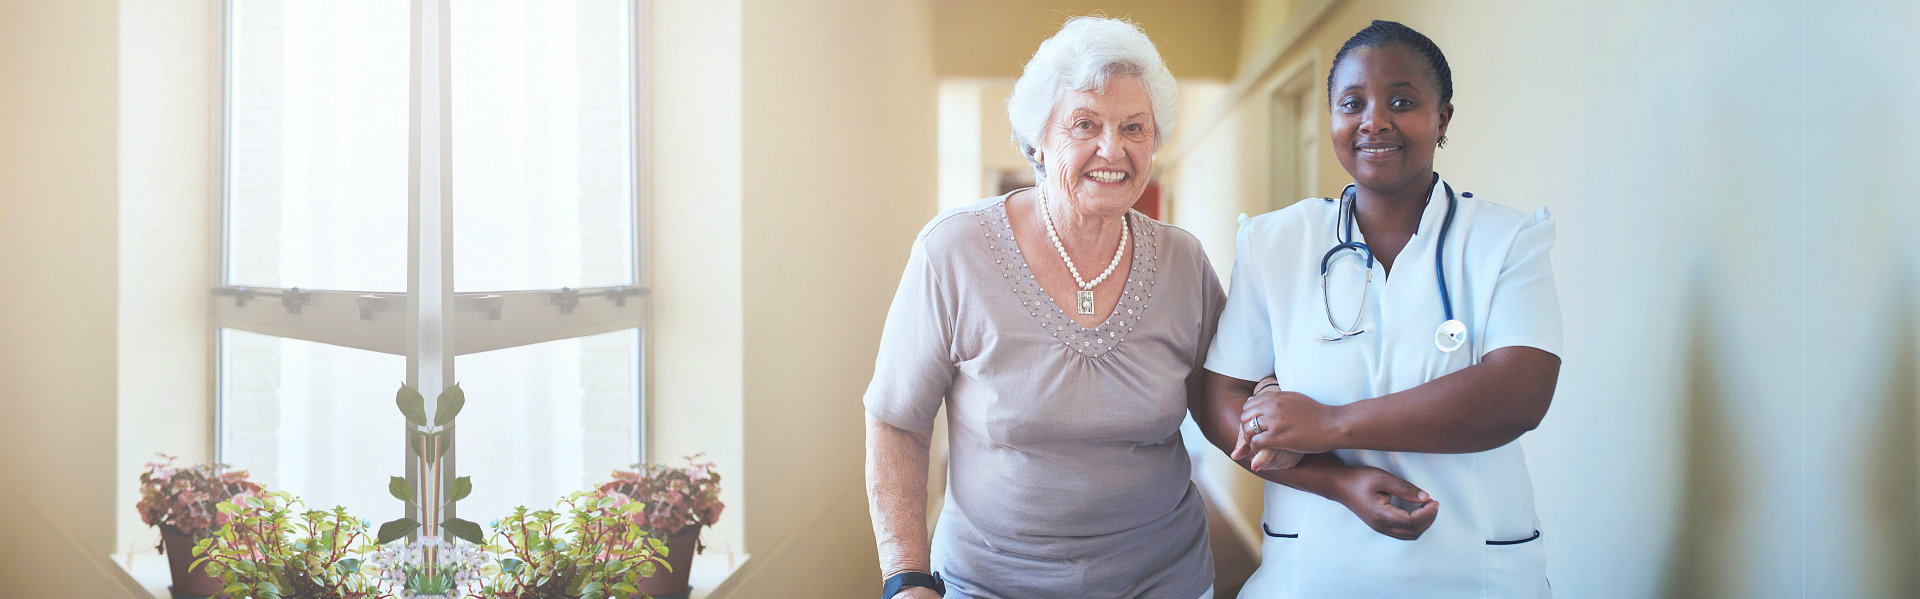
{"x": 1036, "y": 156}
{"x": 1443, "y": 141}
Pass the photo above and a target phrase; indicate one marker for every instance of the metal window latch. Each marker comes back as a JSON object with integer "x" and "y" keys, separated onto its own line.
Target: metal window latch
{"x": 619, "y": 295}
{"x": 567, "y": 298}
{"x": 240, "y": 295}
{"x": 370, "y": 304}
{"x": 490, "y": 303}
{"x": 293, "y": 299}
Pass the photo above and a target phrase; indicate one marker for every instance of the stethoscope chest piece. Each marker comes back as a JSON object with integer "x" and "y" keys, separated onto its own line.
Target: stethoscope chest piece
{"x": 1450, "y": 336}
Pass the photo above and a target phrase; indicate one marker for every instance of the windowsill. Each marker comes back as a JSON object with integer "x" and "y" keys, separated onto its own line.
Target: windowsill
{"x": 710, "y": 570}
{"x": 148, "y": 568}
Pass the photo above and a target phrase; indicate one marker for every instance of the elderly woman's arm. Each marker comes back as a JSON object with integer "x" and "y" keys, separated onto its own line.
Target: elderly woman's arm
{"x": 1474, "y": 409}
{"x": 1215, "y": 401}
{"x": 897, "y": 499}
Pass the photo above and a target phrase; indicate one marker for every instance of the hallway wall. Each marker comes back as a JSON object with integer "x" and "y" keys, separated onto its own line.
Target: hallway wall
{"x": 840, "y": 173}
{"x": 1728, "y": 421}
{"x": 59, "y": 206}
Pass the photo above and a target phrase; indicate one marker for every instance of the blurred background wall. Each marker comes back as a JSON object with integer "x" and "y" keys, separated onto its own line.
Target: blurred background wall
{"x": 1736, "y": 416}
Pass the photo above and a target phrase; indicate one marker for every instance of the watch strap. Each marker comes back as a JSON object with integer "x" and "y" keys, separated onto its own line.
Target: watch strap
{"x": 903, "y": 580}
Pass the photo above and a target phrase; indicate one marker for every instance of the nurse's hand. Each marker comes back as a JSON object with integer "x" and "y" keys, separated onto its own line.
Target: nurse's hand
{"x": 1288, "y": 421}
{"x": 1369, "y": 493}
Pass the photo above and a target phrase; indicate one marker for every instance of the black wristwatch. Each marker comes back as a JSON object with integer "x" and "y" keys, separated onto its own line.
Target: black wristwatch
{"x": 914, "y": 579}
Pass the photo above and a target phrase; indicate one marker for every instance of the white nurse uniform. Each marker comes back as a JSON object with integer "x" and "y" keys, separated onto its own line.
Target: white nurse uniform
{"x": 1486, "y": 540}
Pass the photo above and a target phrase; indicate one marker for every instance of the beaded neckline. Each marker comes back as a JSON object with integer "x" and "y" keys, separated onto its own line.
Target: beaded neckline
{"x": 1092, "y": 341}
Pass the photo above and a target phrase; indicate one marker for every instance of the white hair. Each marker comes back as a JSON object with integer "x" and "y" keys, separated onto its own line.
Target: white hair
{"x": 1081, "y": 57}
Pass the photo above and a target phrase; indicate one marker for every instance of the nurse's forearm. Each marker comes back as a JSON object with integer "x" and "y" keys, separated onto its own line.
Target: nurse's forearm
{"x": 897, "y": 496}
{"x": 1476, "y": 408}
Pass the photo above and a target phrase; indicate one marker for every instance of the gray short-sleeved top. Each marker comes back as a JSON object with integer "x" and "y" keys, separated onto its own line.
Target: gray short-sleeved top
{"x": 1068, "y": 476}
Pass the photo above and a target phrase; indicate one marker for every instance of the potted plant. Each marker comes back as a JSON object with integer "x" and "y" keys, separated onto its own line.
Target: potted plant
{"x": 598, "y": 551}
{"x": 679, "y": 500}
{"x": 430, "y": 568}
{"x": 266, "y": 551}
{"x": 182, "y": 503}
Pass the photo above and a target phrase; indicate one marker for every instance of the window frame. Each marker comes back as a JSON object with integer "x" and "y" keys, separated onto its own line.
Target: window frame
{"x": 1293, "y": 132}
{"x": 428, "y": 323}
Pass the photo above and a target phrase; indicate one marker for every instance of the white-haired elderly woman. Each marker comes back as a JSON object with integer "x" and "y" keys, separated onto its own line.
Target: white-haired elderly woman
{"x": 1063, "y": 331}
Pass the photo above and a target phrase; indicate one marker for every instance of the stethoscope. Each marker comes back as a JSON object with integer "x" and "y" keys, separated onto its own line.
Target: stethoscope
{"x": 1449, "y": 337}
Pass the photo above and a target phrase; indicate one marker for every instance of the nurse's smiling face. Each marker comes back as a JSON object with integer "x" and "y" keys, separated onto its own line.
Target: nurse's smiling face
{"x": 1386, "y": 117}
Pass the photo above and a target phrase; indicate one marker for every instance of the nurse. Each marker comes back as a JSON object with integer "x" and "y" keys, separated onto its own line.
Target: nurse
{"x": 1406, "y": 327}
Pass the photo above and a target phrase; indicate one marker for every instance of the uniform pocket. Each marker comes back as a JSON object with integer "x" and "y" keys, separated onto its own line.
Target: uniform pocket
{"x": 1279, "y": 546}
{"x": 1517, "y": 567}
{"x": 1527, "y": 539}
{"x": 1278, "y": 535}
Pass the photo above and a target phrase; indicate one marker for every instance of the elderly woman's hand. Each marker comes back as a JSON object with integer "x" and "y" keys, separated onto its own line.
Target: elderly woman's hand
{"x": 1287, "y": 421}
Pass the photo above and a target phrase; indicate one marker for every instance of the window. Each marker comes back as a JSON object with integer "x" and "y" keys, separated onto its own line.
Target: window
{"x": 430, "y": 192}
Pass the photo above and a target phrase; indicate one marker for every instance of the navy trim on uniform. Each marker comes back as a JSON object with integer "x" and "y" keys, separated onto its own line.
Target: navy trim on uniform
{"x": 1536, "y": 535}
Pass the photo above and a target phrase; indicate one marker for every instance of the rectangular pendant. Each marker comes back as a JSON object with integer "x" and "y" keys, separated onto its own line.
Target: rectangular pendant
{"x": 1086, "y": 302}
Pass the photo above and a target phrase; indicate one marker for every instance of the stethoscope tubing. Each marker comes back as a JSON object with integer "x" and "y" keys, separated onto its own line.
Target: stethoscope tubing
{"x": 1439, "y": 251}
{"x": 1344, "y": 224}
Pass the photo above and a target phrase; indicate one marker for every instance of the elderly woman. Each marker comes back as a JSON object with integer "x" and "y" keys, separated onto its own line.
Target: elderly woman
{"x": 1064, "y": 332}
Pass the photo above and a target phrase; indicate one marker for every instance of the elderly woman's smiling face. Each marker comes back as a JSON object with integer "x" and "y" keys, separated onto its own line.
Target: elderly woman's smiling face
{"x": 1098, "y": 146}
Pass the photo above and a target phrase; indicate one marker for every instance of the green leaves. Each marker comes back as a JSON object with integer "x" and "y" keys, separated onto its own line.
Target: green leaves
{"x": 462, "y": 487}
{"x": 412, "y": 405}
{"x": 465, "y": 530}
{"x": 395, "y": 530}
{"x": 448, "y": 405}
{"x": 399, "y": 488}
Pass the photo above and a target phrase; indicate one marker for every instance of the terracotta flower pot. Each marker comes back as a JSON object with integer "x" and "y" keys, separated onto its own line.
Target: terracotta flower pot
{"x": 189, "y": 581}
{"x": 673, "y": 579}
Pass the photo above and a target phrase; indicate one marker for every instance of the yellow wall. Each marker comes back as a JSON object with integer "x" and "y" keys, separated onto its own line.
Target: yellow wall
{"x": 1728, "y": 420}
{"x": 839, "y": 123}
{"x": 59, "y": 208}
{"x": 793, "y": 162}
{"x": 994, "y": 38}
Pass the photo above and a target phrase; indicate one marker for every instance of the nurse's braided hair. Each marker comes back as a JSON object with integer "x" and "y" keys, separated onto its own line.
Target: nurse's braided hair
{"x": 1381, "y": 33}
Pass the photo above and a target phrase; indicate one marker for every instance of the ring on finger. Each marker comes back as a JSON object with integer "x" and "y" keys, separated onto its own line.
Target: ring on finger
{"x": 1253, "y": 426}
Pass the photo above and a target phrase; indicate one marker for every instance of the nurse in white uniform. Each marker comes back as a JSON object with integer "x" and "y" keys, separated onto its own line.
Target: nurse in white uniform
{"x": 1405, "y": 328}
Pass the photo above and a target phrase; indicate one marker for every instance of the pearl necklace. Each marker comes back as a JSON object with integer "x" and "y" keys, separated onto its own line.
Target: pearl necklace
{"x": 1085, "y": 295}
